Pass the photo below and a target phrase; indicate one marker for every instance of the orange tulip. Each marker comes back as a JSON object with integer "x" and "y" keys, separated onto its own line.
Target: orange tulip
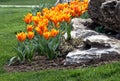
{"x": 28, "y": 18}
{"x": 38, "y": 14}
{"x": 39, "y": 31}
{"x": 57, "y": 14}
{"x": 46, "y": 35}
{"x": 29, "y": 27}
{"x": 43, "y": 23}
{"x": 30, "y": 35}
{"x": 73, "y": 13}
{"x": 54, "y": 32}
{"x": 36, "y": 20}
{"x": 67, "y": 17}
{"x": 45, "y": 29}
{"x": 57, "y": 25}
{"x": 21, "y": 36}
{"x": 45, "y": 10}
{"x": 86, "y": 2}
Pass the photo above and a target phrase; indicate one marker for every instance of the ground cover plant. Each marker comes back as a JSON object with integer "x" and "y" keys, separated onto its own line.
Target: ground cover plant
{"x": 11, "y": 22}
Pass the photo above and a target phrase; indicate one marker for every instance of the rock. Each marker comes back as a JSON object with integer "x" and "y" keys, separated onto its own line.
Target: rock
{"x": 83, "y": 33}
{"x": 102, "y": 41}
{"x": 102, "y": 48}
{"x": 93, "y": 54}
{"x": 80, "y": 29}
{"x": 97, "y": 47}
{"x": 105, "y": 13}
{"x": 79, "y": 23}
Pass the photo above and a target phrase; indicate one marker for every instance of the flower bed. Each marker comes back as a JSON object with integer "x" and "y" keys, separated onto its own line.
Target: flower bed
{"x": 45, "y": 29}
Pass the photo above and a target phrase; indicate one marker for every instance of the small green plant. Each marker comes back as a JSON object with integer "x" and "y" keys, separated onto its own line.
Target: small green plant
{"x": 25, "y": 48}
{"x": 85, "y": 15}
{"x": 100, "y": 29}
{"x": 68, "y": 30}
{"x": 48, "y": 43}
{"x": 40, "y": 8}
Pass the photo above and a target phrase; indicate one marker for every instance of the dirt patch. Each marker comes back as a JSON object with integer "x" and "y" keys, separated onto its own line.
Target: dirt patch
{"x": 38, "y": 63}
{"x": 42, "y": 63}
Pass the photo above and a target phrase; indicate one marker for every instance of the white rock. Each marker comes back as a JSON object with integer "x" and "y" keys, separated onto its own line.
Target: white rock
{"x": 103, "y": 41}
{"x": 83, "y": 33}
{"x": 78, "y": 23}
{"x": 83, "y": 56}
{"x": 101, "y": 46}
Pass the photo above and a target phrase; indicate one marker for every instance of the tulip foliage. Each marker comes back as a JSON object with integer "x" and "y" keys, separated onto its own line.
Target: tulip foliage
{"x": 44, "y": 30}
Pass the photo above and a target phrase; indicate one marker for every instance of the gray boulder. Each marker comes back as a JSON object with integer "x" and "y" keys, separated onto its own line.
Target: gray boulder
{"x": 96, "y": 48}
{"x": 101, "y": 48}
{"x": 105, "y": 13}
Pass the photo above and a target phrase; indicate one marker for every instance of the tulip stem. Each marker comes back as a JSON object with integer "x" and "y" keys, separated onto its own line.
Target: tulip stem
{"x": 68, "y": 29}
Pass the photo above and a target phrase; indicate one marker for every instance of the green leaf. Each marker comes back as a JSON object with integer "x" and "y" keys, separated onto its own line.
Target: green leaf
{"x": 35, "y": 10}
{"x": 19, "y": 53}
{"x": 12, "y": 60}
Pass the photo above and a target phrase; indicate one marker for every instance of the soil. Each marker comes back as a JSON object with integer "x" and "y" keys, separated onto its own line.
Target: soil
{"x": 38, "y": 63}
{"x": 42, "y": 63}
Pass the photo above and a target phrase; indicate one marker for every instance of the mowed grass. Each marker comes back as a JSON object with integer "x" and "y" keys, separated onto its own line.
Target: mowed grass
{"x": 11, "y": 21}
{"x": 25, "y": 2}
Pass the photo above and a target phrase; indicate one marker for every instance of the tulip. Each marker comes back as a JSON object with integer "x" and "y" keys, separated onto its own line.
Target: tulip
{"x": 30, "y": 35}
{"x": 29, "y": 27}
{"x": 47, "y": 35}
{"x": 54, "y": 32}
{"x": 28, "y": 18}
{"x": 38, "y": 14}
{"x": 21, "y": 36}
{"x": 36, "y": 20}
{"x": 39, "y": 31}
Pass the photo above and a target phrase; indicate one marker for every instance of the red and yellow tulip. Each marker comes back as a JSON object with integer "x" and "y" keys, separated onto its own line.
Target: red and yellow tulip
{"x": 28, "y": 18}
{"x": 21, "y": 36}
{"x": 54, "y": 32}
{"x": 30, "y": 35}
{"x": 47, "y": 35}
{"x": 30, "y": 28}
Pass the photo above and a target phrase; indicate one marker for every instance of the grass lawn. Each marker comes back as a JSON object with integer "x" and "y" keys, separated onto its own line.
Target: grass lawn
{"x": 25, "y": 2}
{"x": 11, "y": 22}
